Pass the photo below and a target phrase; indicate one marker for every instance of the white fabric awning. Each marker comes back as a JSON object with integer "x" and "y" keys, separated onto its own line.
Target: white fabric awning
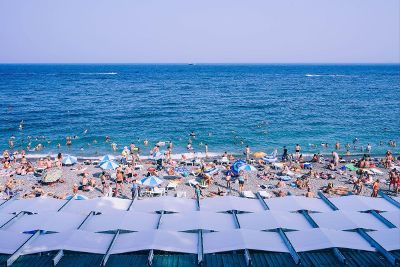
{"x": 76, "y": 240}
{"x": 227, "y": 203}
{"x": 389, "y": 239}
{"x": 103, "y": 204}
{"x": 347, "y": 220}
{"x": 393, "y": 217}
{"x": 272, "y": 219}
{"x": 319, "y": 238}
{"x": 295, "y": 203}
{"x": 49, "y": 221}
{"x": 10, "y": 241}
{"x": 171, "y": 204}
{"x": 197, "y": 220}
{"x": 35, "y": 205}
{"x": 5, "y": 217}
{"x": 156, "y": 239}
{"x": 242, "y": 239}
{"x": 361, "y": 203}
{"x": 122, "y": 220}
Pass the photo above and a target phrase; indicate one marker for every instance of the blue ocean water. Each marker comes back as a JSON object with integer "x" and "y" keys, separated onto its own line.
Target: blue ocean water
{"x": 227, "y": 106}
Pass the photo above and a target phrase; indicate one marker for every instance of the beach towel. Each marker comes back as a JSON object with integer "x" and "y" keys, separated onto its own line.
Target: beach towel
{"x": 351, "y": 167}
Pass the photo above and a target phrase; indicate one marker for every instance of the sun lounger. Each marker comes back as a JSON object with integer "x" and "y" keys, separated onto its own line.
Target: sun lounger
{"x": 181, "y": 194}
{"x": 203, "y": 184}
{"x": 158, "y": 191}
{"x": 277, "y": 166}
{"x": 171, "y": 186}
{"x": 248, "y": 194}
{"x": 376, "y": 171}
{"x": 265, "y": 194}
{"x": 192, "y": 182}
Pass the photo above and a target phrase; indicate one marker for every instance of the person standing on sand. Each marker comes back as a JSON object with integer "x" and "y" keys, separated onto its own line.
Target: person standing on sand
{"x": 335, "y": 158}
{"x": 241, "y": 181}
{"x": 297, "y": 149}
{"x": 247, "y": 152}
{"x": 285, "y": 154}
{"x": 375, "y": 188}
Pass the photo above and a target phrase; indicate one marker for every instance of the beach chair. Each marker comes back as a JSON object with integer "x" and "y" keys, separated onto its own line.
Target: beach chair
{"x": 138, "y": 167}
{"x": 192, "y": 182}
{"x": 171, "y": 186}
{"x": 248, "y": 194}
{"x": 158, "y": 191}
{"x": 265, "y": 194}
{"x": 203, "y": 184}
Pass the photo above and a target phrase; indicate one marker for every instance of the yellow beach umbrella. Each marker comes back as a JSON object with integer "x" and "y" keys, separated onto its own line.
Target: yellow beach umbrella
{"x": 259, "y": 154}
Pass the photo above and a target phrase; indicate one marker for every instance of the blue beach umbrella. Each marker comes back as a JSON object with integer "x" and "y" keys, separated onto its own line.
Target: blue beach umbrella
{"x": 69, "y": 160}
{"x": 247, "y": 167}
{"x": 106, "y": 158}
{"x": 151, "y": 181}
{"x": 236, "y": 165}
{"x": 109, "y": 165}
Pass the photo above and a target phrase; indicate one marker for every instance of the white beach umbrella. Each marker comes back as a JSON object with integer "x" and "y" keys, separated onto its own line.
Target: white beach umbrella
{"x": 109, "y": 165}
{"x": 69, "y": 160}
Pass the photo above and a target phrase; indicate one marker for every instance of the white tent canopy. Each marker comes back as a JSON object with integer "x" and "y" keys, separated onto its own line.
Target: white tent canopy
{"x": 347, "y": 220}
{"x": 389, "y": 239}
{"x": 295, "y": 203}
{"x": 171, "y": 204}
{"x": 5, "y": 217}
{"x": 156, "y": 239}
{"x": 272, "y": 219}
{"x": 122, "y": 220}
{"x": 242, "y": 239}
{"x": 198, "y": 220}
{"x": 10, "y": 242}
{"x": 319, "y": 238}
{"x": 49, "y": 221}
{"x": 361, "y": 203}
{"x": 102, "y": 204}
{"x": 227, "y": 203}
{"x": 35, "y": 205}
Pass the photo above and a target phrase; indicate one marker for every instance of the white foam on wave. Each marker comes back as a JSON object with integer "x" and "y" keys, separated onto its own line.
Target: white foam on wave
{"x": 98, "y": 73}
{"x": 326, "y": 75}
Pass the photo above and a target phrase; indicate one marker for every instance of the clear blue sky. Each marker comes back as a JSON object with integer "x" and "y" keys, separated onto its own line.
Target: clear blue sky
{"x": 208, "y": 31}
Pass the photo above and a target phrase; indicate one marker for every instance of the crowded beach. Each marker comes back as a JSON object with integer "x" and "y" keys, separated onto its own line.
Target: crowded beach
{"x": 161, "y": 172}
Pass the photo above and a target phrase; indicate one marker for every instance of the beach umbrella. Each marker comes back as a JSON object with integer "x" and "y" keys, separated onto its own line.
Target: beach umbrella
{"x": 76, "y": 197}
{"x": 109, "y": 165}
{"x": 259, "y": 154}
{"x": 69, "y": 160}
{"x": 247, "y": 167}
{"x": 107, "y": 158}
{"x": 235, "y": 166}
{"x": 181, "y": 170}
{"x": 51, "y": 176}
{"x": 151, "y": 181}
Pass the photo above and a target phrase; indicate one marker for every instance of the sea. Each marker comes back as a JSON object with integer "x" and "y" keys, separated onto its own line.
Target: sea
{"x": 226, "y": 106}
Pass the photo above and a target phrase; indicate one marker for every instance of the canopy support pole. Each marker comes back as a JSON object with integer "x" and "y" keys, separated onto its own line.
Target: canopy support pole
{"x": 60, "y": 253}
{"x": 200, "y": 248}
{"x": 327, "y": 201}
{"x": 389, "y": 257}
{"x": 107, "y": 255}
{"x": 247, "y": 255}
{"x": 262, "y": 201}
{"x": 5, "y": 202}
{"x": 389, "y": 199}
{"x": 13, "y": 219}
{"x": 311, "y": 221}
{"x": 19, "y": 251}
{"x": 382, "y": 219}
{"x": 151, "y": 252}
{"x": 289, "y": 245}
{"x": 66, "y": 203}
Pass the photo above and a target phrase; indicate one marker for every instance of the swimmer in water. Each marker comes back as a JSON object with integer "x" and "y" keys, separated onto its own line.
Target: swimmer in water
{"x": 114, "y": 146}
{"x": 193, "y": 134}
{"x": 146, "y": 142}
{"x": 85, "y": 131}
{"x": 107, "y": 139}
{"x": 21, "y": 125}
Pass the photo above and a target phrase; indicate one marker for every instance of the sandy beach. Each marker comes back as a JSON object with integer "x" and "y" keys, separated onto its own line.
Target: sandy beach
{"x": 266, "y": 178}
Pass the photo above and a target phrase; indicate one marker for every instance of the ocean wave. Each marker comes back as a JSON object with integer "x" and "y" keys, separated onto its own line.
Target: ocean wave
{"x": 326, "y": 75}
{"x": 98, "y": 73}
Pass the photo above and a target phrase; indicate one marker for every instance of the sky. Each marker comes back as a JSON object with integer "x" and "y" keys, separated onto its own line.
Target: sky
{"x": 199, "y": 31}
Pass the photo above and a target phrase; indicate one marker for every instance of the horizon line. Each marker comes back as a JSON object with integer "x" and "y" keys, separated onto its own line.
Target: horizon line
{"x": 200, "y": 63}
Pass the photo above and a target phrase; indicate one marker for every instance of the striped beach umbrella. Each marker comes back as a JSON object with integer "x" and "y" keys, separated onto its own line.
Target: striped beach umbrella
{"x": 69, "y": 160}
{"x": 107, "y": 158}
{"x": 236, "y": 165}
{"x": 181, "y": 170}
{"x": 109, "y": 165}
{"x": 151, "y": 181}
{"x": 247, "y": 168}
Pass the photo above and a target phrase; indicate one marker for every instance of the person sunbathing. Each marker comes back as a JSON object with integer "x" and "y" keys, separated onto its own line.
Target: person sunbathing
{"x": 281, "y": 184}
